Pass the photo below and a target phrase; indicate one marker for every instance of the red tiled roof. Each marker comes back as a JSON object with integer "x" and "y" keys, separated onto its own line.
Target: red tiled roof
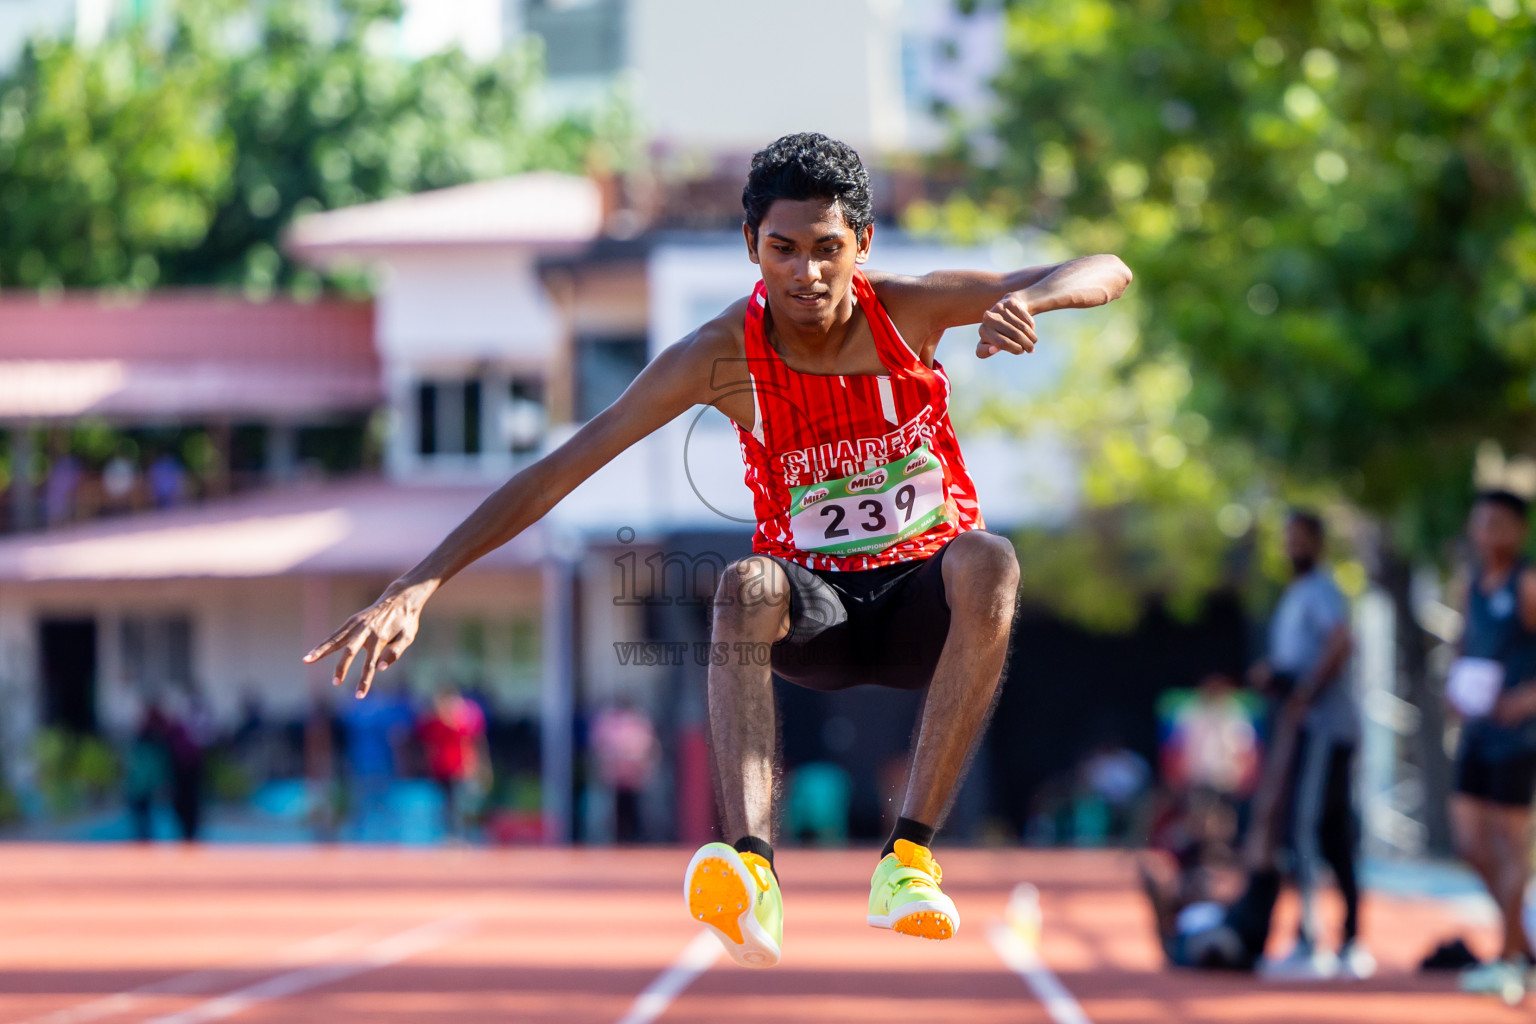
{"x": 181, "y": 354}
{"x": 185, "y": 325}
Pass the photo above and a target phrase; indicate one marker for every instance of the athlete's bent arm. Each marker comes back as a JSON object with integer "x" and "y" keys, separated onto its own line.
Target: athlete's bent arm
{"x": 669, "y": 386}
{"x": 1006, "y": 304}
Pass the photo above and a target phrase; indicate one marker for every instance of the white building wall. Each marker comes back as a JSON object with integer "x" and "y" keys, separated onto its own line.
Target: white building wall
{"x": 459, "y": 313}
{"x": 247, "y": 638}
{"x": 464, "y": 304}
{"x": 711, "y": 76}
{"x": 427, "y": 27}
{"x": 244, "y": 637}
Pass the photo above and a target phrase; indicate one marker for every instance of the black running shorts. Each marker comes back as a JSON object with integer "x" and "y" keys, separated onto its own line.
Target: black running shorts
{"x": 1509, "y": 780}
{"x": 881, "y": 627}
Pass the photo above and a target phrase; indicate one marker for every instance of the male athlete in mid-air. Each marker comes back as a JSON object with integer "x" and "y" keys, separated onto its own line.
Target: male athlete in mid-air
{"x": 869, "y": 564}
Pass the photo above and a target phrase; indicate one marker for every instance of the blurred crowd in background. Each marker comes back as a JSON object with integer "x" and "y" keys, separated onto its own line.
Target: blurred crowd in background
{"x": 271, "y": 313}
{"x": 389, "y": 769}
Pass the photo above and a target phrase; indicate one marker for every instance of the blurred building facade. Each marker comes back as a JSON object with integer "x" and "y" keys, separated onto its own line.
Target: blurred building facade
{"x": 504, "y": 317}
{"x": 340, "y": 440}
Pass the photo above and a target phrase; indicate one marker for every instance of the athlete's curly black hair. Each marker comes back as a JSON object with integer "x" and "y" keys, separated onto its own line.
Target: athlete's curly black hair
{"x": 808, "y": 165}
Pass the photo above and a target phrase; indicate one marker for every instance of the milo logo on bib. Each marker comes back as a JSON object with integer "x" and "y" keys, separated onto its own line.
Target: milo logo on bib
{"x": 812, "y": 496}
{"x": 872, "y": 510}
{"x": 868, "y": 481}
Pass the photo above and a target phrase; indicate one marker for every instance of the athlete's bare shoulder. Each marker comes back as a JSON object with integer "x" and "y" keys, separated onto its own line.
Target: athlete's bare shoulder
{"x": 896, "y": 291}
{"x": 908, "y": 301}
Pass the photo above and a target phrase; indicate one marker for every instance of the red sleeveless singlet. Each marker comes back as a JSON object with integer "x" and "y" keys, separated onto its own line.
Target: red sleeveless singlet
{"x": 837, "y": 464}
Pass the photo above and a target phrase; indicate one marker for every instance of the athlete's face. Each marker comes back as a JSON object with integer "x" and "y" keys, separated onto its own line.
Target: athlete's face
{"x": 807, "y": 253}
{"x": 1498, "y": 535}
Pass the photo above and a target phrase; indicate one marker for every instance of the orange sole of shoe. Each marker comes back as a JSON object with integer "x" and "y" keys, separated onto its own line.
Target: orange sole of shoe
{"x": 717, "y": 897}
{"x": 927, "y": 924}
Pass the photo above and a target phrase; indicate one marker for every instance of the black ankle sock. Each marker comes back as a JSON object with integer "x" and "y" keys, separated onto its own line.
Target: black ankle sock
{"x": 752, "y": 844}
{"x": 912, "y": 832}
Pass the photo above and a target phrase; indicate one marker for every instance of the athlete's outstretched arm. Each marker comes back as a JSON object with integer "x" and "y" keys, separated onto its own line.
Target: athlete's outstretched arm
{"x": 1006, "y": 304}
{"x": 672, "y": 383}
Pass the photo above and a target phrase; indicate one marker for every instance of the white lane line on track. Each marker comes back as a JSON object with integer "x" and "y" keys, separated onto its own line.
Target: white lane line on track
{"x": 381, "y": 954}
{"x": 1023, "y": 960}
{"x": 694, "y": 960}
{"x": 205, "y": 980}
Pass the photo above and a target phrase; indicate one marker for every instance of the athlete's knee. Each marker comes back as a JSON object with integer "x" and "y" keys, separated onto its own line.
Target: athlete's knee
{"x": 982, "y": 567}
{"x": 750, "y": 588}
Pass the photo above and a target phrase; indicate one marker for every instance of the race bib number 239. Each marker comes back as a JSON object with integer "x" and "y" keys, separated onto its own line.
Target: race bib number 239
{"x": 872, "y": 510}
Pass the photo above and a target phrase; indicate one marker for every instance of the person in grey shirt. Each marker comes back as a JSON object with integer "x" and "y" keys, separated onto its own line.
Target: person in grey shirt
{"x": 1309, "y": 647}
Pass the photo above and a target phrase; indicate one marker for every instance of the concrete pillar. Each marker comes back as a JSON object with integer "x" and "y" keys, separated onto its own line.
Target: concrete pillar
{"x": 557, "y": 698}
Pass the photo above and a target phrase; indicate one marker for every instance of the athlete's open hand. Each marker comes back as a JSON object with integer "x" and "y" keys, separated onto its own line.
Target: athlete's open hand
{"x": 381, "y": 633}
{"x": 1007, "y": 327}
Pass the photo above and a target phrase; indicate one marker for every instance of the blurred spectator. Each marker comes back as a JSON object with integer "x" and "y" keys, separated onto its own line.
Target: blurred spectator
{"x": 119, "y": 479}
{"x": 1050, "y": 805}
{"x": 1209, "y": 753}
{"x": 374, "y": 731}
{"x": 64, "y": 476}
{"x": 1492, "y": 685}
{"x": 167, "y": 481}
{"x": 817, "y": 808}
{"x": 624, "y": 745}
{"x": 189, "y": 736}
{"x": 319, "y": 741}
{"x": 1198, "y": 931}
{"x": 147, "y": 769}
{"x": 1210, "y": 738}
{"x": 1309, "y": 647}
{"x": 1116, "y": 778}
{"x": 252, "y": 742}
{"x": 453, "y": 739}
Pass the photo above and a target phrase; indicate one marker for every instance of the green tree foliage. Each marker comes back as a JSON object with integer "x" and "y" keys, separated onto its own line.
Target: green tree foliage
{"x": 1329, "y": 210}
{"x": 178, "y": 157}
{"x": 1167, "y": 510}
{"x": 109, "y": 158}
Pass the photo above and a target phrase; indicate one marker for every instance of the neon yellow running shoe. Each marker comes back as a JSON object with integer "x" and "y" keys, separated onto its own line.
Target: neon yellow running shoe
{"x": 904, "y": 895}
{"x": 737, "y": 896}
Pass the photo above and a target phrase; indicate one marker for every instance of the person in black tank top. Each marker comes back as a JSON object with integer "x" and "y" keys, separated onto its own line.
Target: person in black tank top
{"x": 1493, "y": 687}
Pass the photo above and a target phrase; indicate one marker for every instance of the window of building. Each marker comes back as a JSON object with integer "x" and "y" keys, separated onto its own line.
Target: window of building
{"x": 604, "y": 368}
{"x": 157, "y": 652}
{"x": 581, "y": 37}
{"x": 448, "y": 417}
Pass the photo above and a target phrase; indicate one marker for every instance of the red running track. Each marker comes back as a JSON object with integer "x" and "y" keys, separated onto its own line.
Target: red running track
{"x": 344, "y": 934}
